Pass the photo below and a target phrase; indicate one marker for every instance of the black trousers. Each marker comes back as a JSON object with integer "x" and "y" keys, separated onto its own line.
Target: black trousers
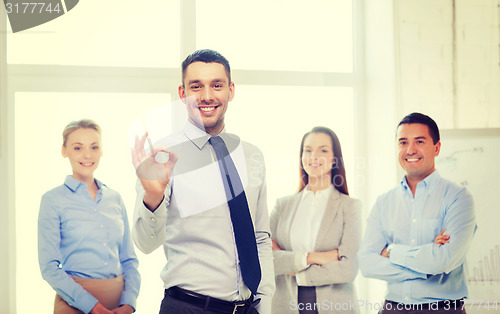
{"x": 175, "y": 306}
{"x": 307, "y": 300}
{"x": 170, "y": 305}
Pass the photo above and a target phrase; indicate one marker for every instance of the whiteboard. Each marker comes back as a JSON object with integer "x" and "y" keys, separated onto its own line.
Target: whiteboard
{"x": 471, "y": 158}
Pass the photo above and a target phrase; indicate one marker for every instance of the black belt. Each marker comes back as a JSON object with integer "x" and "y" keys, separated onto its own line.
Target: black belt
{"x": 212, "y": 304}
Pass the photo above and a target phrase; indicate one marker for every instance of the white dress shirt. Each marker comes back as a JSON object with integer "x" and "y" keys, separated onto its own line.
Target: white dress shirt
{"x": 306, "y": 222}
{"x": 195, "y": 227}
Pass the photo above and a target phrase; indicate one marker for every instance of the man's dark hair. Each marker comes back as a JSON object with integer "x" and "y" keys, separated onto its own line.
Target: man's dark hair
{"x": 420, "y": 118}
{"x": 207, "y": 56}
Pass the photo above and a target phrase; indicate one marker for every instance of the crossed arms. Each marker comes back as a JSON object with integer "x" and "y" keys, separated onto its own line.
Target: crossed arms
{"x": 406, "y": 262}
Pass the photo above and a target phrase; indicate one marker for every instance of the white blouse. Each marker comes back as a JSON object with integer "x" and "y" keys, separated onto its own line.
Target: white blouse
{"x": 307, "y": 220}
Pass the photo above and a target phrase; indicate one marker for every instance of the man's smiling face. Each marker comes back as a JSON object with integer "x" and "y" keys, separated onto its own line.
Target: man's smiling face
{"x": 416, "y": 151}
{"x": 206, "y": 91}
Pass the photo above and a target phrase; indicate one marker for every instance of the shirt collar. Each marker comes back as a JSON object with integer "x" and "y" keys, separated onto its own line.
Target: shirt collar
{"x": 73, "y": 184}
{"x": 427, "y": 182}
{"x": 320, "y": 194}
{"x": 196, "y": 135}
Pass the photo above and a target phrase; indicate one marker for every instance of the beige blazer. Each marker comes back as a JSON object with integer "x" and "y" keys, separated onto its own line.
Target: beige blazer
{"x": 340, "y": 229}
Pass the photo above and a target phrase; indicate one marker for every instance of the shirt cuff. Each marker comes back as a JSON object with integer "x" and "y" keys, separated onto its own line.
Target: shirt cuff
{"x": 164, "y": 202}
{"x": 398, "y": 254}
{"x": 160, "y": 212}
{"x": 264, "y": 305}
{"x": 301, "y": 260}
{"x": 153, "y": 222}
{"x": 87, "y": 303}
{"x": 129, "y": 299}
{"x": 301, "y": 278}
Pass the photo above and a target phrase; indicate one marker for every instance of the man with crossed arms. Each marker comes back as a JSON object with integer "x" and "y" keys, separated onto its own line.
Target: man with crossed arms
{"x": 418, "y": 233}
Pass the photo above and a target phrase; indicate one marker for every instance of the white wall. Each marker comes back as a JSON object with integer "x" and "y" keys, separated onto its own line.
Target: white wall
{"x": 410, "y": 66}
{"x": 381, "y": 116}
{"x": 451, "y": 73}
{"x": 7, "y": 267}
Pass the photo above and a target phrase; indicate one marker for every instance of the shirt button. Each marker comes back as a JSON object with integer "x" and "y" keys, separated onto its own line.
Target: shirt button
{"x": 412, "y": 201}
{"x": 105, "y": 263}
{"x": 104, "y": 244}
{"x": 152, "y": 236}
{"x": 153, "y": 219}
{"x": 95, "y": 209}
{"x": 414, "y": 220}
{"x": 413, "y": 241}
{"x": 101, "y": 226}
{"x": 406, "y": 298}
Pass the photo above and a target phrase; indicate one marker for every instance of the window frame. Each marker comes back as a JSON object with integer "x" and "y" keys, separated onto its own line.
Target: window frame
{"x": 97, "y": 79}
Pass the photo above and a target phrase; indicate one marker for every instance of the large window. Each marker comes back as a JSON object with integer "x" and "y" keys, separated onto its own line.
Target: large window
{"x": 103, "y": 33}
{"x": 294, "y": 65}
{"x": 279, "y": 35}
{"x": 276, "y": 117}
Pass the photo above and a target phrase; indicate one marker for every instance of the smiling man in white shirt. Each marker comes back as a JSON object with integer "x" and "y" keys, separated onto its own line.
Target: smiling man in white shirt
{"x": 197, "y": 204}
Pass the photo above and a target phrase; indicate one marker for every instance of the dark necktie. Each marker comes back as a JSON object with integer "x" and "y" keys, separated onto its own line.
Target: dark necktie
{"x": 240, "y": 216}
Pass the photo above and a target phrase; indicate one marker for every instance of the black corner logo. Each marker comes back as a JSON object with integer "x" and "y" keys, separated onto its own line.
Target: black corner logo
{"x": 24, "y": 14}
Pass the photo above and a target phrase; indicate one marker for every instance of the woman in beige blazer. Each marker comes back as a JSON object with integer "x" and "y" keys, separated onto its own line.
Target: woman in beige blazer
{"x": 316, "y": 234}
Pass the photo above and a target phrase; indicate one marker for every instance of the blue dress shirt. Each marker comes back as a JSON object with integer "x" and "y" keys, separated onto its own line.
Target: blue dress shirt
{"x": 417, "y": 270}
{"x": 85, "y": 238}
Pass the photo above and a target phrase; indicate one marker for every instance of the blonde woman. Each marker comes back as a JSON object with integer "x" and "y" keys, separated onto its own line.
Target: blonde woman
{"x": 316, "y": 234}
{"x": 84, "y": 246}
